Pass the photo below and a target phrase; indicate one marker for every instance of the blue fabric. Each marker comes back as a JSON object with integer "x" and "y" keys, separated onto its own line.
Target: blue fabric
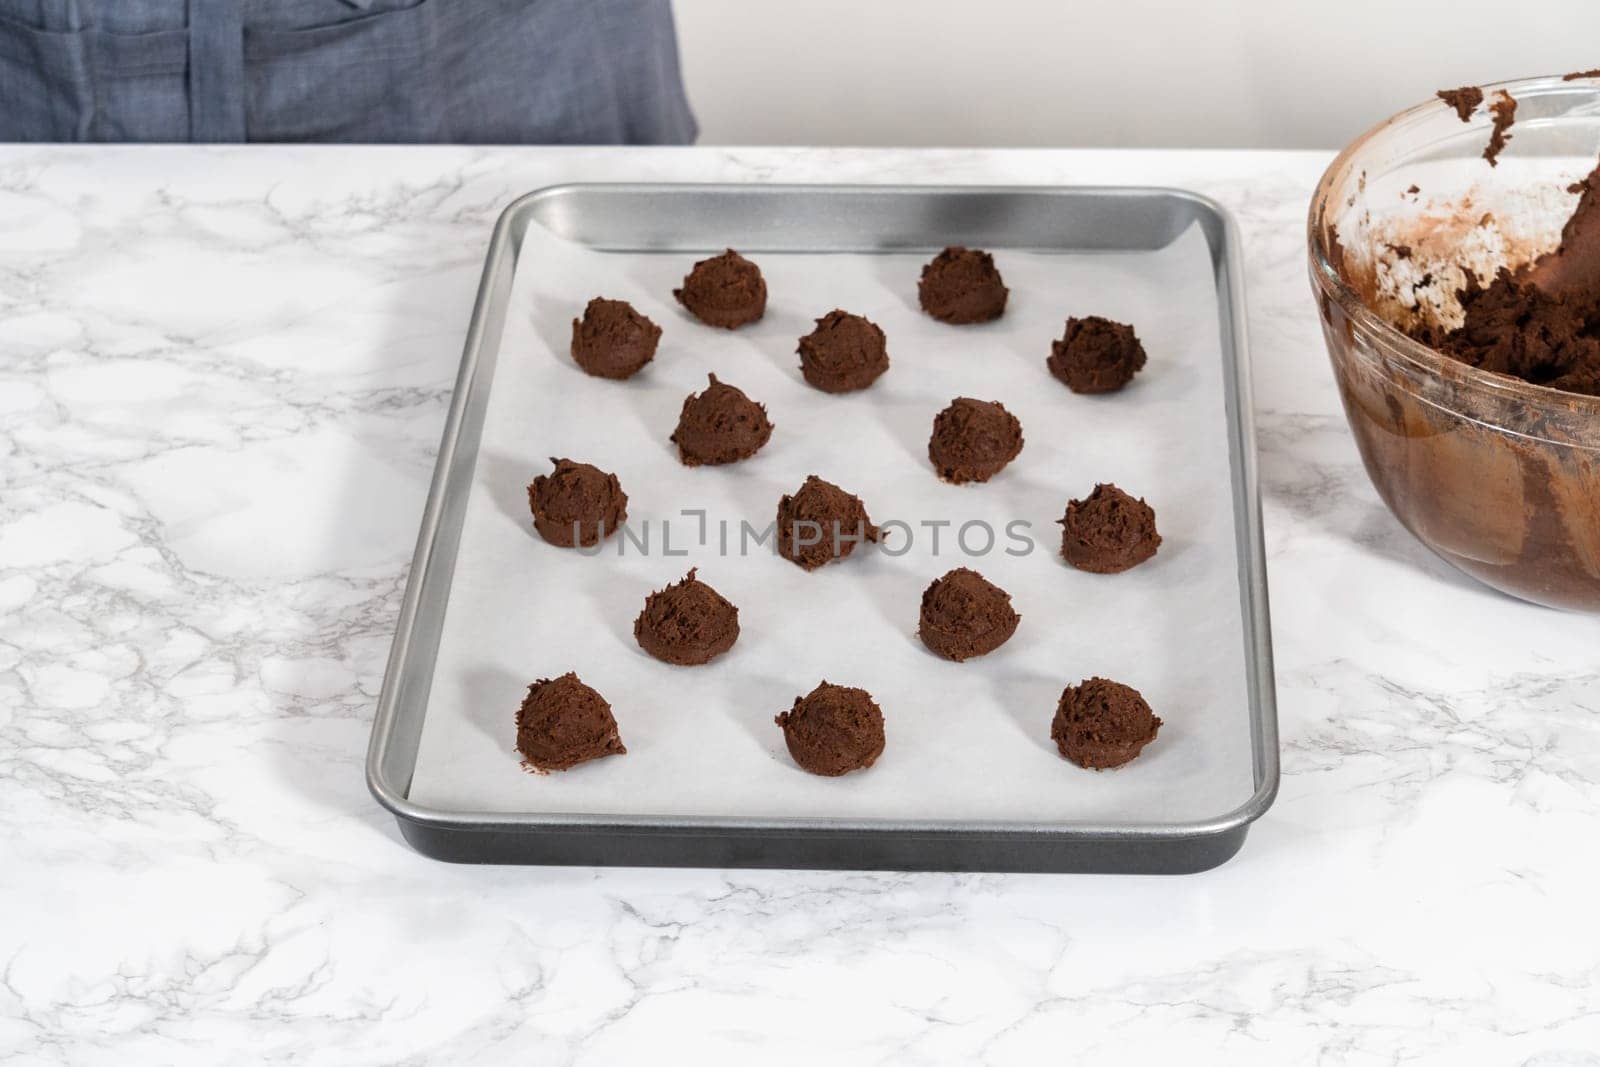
{"x": 216, "y": 72}
{"x": 379, "y": 71}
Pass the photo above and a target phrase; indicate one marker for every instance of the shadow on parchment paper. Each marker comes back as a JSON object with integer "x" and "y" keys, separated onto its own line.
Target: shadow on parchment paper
{"x": 760, "y": 700}
{"x": 491, "y": 697}
{"x": 656, "y": 406}
{"x": 899, "y": 274}
{"x": 619, "y": 599}
{"x": 782, "y": 354}
{"x": 895, "y": 590}
{"x": 777, "y": 337}
{"x": 909, "y": 421}
{"x": 1030, "y": 703}
{"x": 510, "y": 479}
{"x": 552, "y": 325}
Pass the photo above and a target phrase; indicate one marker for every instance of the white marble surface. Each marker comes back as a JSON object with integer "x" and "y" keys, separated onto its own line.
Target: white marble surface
{"x": 222, "y": 378}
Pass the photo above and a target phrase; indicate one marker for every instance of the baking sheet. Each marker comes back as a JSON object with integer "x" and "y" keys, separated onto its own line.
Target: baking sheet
{"x": 966, "y": 742}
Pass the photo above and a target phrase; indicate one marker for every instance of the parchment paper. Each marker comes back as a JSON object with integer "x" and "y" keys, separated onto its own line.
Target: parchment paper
{"x": 965, "y": 741}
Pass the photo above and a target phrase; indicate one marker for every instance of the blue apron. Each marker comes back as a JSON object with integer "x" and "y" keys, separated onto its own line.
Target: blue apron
{"x": 377, "y": 71}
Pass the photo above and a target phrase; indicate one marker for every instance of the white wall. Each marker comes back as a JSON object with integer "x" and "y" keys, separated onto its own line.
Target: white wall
{"x": 1226, "y": 73}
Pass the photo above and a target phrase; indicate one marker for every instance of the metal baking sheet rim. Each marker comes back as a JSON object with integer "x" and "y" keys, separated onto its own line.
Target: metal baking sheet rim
{"x": 846, "y": 844}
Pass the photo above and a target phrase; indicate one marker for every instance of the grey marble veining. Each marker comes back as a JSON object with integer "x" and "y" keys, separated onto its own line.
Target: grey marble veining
{"x": 223, "y": 374}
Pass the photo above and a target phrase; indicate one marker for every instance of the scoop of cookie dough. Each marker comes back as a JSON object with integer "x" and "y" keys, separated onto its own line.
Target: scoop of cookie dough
{"x": 1108, "y": 531}
{"x": 965, "y": 615}
{"x": 576, "y": 504}
{"x": 563, "y": 723}
{"x": 612, "y": 340}
{"x": 833, "y": 730}
{"x": 844, "y": 353}
{"x": 726, "y": 291}
{"x": 820, "y": 523}
{"x": 687, "y": 624}
{"x": 1101, "y": 724}
{"x": 973, "y": 440}
{"x": 961, "y": 286}
{"x": 1096, "y": 355}
{"x": 720, "y": 425}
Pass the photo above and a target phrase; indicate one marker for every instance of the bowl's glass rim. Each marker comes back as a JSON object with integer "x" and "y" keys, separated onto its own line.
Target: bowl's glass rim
{"x": 1425, "y": 357}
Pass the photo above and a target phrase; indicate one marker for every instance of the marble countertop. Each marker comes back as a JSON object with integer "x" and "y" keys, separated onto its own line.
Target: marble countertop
{"x": 223, "y": 374}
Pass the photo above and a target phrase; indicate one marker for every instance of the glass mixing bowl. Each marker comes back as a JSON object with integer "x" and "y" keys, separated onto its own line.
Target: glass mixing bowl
{"x": 1499, "y": 477}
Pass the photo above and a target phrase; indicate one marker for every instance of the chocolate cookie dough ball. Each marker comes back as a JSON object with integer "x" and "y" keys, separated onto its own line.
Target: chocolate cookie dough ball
{"x": 1108, "y": 532}
{"x": 720, "y": 425}
{"x": 973, "y": 440}
{"x": 820, "y": 523}
{"x": 726, "y": 291}
{"x": 1101, "y": 724}
{"x": 687, "y": 624}
{"x": 576, "y": 504}
{"x": 844, "y": 353}
{"x": 612, "y": 340}
{"x": 563, "y": 723}
{"x": 965, "y": 615}
{"x": 961, "y": 286}
{"x": 1096, "y": 355}
{"x": 833, "y": 730}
